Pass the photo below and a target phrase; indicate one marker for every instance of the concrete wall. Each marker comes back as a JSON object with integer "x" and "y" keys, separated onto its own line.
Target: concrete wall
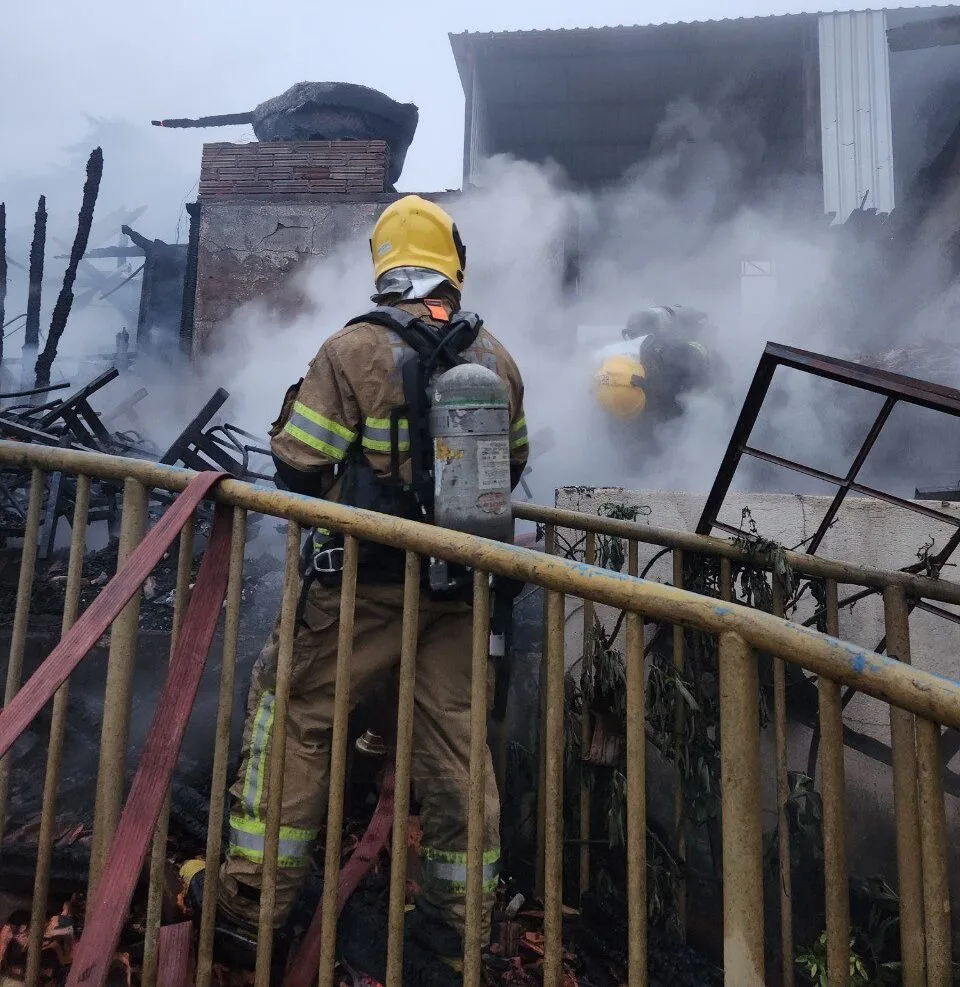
{"x": 249, "y": 246}
{"x": 869, "y": 533}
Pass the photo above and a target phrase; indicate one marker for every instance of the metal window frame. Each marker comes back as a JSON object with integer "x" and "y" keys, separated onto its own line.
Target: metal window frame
{"x": 895, "y": 388}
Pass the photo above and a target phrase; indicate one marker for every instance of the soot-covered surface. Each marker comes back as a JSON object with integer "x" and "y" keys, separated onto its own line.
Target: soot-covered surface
{"x": 77, "y": 785}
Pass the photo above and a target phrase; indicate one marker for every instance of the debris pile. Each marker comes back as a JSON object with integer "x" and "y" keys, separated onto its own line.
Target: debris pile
{"x": 56, "y": 954}
{"x": 72, "y": 422}
{"x": 262, "y": 577}
{"x": 929, "y": 359}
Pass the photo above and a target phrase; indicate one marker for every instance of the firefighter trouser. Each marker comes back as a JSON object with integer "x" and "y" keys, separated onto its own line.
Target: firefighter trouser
{"x": 441, "y": 753}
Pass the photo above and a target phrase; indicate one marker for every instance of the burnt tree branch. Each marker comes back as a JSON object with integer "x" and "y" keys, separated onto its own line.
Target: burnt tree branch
{"x": 32, "y": 338}
{"x": 61, "y": 311}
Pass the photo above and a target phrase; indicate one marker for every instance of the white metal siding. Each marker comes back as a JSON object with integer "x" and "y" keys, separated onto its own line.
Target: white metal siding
{"x": 478, "y": 130}
{"x": 857, "y": 135}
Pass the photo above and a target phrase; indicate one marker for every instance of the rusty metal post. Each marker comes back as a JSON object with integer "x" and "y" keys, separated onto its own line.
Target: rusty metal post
{"x": 158, "y": 857}
{"x": 549, "y": 548}
{"x": 58, "y": 722}
{"x": 472, "y": 972}
{"x": 553, "y": 829}
{"x": 933, "y": 844}
{"x": 833, "y": 789}
{"x": 636, "y": 802}
{"x": 118, "y": 691}
{"x": 740, "y": 787}
{"x": 21, "y": 619}
{"x": 726, "y": 581}
{"x": 905, "y": 801}
{"x": 783, "y": 797}
{"x": 402, "y": 769}
{"x": 586, "y": 691}
{"x": 221, "y": 749}
{"x": 278, "y": 750}
{"x": 679, "y": 726}
{"x": 338, "y": 760}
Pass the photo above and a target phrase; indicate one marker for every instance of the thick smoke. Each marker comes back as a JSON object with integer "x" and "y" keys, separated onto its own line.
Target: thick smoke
{"x": 675, "y": 231}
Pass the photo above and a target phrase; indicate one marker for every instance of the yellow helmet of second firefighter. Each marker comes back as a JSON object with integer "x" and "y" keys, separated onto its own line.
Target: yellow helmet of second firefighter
{"x": 618, "y": 387}
{"x": 415, "y": 233}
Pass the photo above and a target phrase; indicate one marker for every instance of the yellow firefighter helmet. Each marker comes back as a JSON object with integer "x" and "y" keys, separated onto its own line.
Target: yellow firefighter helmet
{"x": 618, "y": 387}
{"x": 413, "y": 232}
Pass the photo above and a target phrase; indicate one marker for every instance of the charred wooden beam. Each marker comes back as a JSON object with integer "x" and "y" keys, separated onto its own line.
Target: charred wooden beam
{"x": 61, "y": 312}
{"x": 111, "y": 252}
{"x": 32, "y": 339}
{"x": 3, "y": 272}
{"x": 224, "y": 120}
{"x": 190, "y": 281}
{"x": 139, "y": 240}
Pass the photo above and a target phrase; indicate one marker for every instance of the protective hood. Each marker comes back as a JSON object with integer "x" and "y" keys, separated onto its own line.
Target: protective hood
{"x": 409, "y": 283}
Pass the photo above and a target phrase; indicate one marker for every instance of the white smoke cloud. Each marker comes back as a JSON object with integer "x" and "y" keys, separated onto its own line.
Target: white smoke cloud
{"x": 656, "y": 239}
{"x": 671, "y": 233}
{"x": 674, "y": 231}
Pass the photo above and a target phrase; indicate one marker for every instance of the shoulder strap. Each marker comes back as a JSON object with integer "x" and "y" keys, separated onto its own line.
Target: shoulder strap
{"x": 432, "y": 346}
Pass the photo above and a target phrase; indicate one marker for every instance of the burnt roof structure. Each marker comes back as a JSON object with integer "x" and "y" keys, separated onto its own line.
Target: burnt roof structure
{"x": 591, "y": 99}
{"x": 818, "y": 87}
{"x": 325, "y": 111}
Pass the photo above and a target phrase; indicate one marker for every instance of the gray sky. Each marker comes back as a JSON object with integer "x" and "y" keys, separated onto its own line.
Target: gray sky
{"x": 137, "y": 61}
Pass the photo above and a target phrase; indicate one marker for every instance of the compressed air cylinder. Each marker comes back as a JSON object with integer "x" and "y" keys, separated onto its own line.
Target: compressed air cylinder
{"x": 470, "y": 428}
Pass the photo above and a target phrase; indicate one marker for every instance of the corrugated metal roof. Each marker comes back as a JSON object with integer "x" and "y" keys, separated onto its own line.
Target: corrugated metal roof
{"x": 653, "y": 25}
{"x": 546, "y": 41}
{"x": 586, "y": 40}
{"x": 855, "y": 120}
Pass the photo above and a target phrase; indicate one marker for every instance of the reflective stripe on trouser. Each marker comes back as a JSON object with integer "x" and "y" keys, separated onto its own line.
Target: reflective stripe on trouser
{"x": 257, "y": 764}
{"x": 248, "y": 840}
{"x": 446, "y": 870}
{"x": 441, "y": 747}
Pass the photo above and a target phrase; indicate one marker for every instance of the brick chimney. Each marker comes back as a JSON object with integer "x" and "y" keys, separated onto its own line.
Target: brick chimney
{"x": 278, "y": 168}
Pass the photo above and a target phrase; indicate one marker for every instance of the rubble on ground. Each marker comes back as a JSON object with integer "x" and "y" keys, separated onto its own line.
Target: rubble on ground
{"x": 157, "y": 601}
{"x": 595, "y": 936}
{"x": 73, "y": 423}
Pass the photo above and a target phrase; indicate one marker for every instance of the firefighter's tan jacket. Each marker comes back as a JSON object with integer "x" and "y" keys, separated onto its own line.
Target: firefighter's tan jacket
{"x": 347, "y": 396}
{"x": 354, "y": 384}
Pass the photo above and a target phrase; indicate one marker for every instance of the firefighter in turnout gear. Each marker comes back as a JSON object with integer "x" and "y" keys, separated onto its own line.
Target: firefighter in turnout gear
{"x": 662, "y": 358}
{"x": 350, "y": 431}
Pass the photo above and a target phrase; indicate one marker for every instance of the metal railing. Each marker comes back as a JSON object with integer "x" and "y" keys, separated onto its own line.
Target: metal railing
{"x": 919, "y": 703}
{"x": 924, "y": 897}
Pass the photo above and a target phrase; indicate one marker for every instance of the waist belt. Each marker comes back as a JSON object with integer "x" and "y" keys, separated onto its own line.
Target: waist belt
{"x": 378, "y": 565}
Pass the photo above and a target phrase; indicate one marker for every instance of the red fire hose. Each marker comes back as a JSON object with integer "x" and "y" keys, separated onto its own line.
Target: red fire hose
{"x": 108, "y": 910}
